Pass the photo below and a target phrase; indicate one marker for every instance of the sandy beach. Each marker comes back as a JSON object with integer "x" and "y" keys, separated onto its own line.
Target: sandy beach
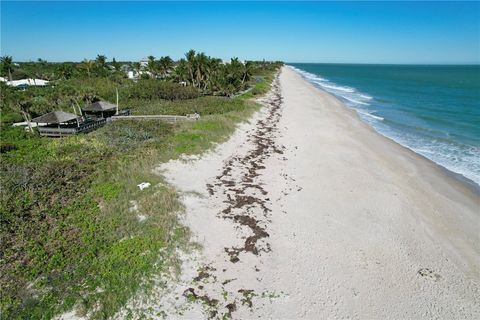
{"x": 308, "y": 213}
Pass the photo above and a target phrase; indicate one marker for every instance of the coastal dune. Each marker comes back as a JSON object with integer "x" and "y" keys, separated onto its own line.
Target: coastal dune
{"x": 307, "y": 212}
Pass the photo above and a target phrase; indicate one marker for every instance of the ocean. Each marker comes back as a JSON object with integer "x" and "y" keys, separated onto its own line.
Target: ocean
{"x": 432, "y": 109}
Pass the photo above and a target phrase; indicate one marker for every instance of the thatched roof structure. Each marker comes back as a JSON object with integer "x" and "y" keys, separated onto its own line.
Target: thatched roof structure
{"x": 100, "y": 106}
{"x": 55, "y": 117}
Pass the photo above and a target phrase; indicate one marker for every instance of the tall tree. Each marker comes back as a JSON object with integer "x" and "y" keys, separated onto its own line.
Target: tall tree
{"x": 101, "y": 61}
{"x": 116, "y": 64}
{"x": 165, "y": 66}
{"x": 181, "y": 71}
{"x": 137, "y": 67}
{"x": 191, "y": 61}
{"x": 201, "y": 70}
{"x": 22, "y": 104}
{"x": 247, "y": 71}
{"x": 215, "y": 68}
{"x": 65, "y": 71}
{"x": 7, "y": 66}
{"x": 87, "y": 66}
{"x": 42, "y": 62}
{"x": 152, "y": 66}
{"x": 101, "y": 65}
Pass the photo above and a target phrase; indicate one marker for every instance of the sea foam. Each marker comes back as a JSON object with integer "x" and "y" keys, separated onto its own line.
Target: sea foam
{"x": 350, "y": 96}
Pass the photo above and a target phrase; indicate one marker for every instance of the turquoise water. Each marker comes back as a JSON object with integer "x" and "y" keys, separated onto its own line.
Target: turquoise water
{"x": 433, "y": 110}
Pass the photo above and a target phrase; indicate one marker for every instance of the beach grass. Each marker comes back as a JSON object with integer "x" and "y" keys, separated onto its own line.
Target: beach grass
{"x": 77, "y": 232}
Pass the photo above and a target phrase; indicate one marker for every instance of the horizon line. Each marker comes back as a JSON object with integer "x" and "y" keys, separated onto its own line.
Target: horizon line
{"x": 290, "y": 62}
{"x": 396, "y": 63}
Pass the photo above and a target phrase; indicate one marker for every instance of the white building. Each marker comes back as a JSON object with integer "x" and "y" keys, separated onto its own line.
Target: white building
{"x": 135, "y": 75}
{"x": 144, "y": 62}
{"x": 25, "y": 82}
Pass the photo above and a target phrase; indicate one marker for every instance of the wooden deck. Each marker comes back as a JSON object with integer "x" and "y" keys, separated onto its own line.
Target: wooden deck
{"x": 163, "y": 118}
{"x": 95, "y": 123}
{"x": 47, "y": 131}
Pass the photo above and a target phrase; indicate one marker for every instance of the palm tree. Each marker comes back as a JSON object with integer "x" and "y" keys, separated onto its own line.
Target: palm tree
{"x": 181, "y": 70}
{"x": 88, "y": 66}
{"x": 87, "y": 94}
{"x": 165, "y": 65}
{"x": 101, "y": 65}
{"x": 216, "y": 81}
{"x": 191, "y": 61}
{"x": 116, "y": 64}
{"x": 232, "y": 77}
{"x": 201, "y": 70}
{"x": 214, "y": 73}
{"x": 65, "y": 71}
{"x": 247, "y": 71}
{"x": 42, "y": 62}
{"x": 210, "y": 75}
{"x": 101, "y": 61}
{"x": 152, "y": 66}
{"x": 7, "y": 65}
{"x": 137, "y": 67}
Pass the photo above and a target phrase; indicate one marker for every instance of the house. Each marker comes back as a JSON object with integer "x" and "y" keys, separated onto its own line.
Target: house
{"x": 132, "y": 75}
{"x": 144, "y": 62}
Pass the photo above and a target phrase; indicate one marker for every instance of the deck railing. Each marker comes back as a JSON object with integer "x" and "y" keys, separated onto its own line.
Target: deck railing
{"x": 123, "y": 115}
{"x": 163, "y": 118}
{"x": 59, "y": 131}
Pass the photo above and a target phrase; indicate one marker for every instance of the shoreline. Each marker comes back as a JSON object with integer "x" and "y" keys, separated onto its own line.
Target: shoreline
{"x": 442, "y": 180}
{"x": 307, "y": 212}
{"x": 473, "y": 184}
{"x": 468, "y": 183}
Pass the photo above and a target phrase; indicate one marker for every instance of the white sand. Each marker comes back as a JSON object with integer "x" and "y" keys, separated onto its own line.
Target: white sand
{"x": 359, "y": 227}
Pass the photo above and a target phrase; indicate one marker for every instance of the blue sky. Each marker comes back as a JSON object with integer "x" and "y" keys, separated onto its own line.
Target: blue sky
{"x": 371, "y": 32}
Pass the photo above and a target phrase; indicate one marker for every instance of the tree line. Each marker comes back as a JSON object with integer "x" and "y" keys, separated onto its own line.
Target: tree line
{"x": 207, "y": 74}
{"x": 77, "y": 84}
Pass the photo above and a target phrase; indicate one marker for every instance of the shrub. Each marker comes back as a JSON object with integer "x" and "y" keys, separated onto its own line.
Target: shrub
{"x": 5, "y": 147}
{"x": 146, "y": 89}
{"x": 11, "y": 117}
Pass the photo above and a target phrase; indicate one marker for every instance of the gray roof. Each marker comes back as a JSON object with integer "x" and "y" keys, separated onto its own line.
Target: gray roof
{"x": 100, "y": 106}
{"x": 55, "y": 117}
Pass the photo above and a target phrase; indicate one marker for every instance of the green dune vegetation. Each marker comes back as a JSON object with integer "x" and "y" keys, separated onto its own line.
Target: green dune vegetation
{"x": 76, "y": 231}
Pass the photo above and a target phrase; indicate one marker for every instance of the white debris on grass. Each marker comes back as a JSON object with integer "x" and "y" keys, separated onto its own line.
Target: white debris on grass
{"x": 70, "y": 315}
{"x": 134, "y": 206}
{"x": 144, "y": 185}
{"x": 141, "y": 217}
